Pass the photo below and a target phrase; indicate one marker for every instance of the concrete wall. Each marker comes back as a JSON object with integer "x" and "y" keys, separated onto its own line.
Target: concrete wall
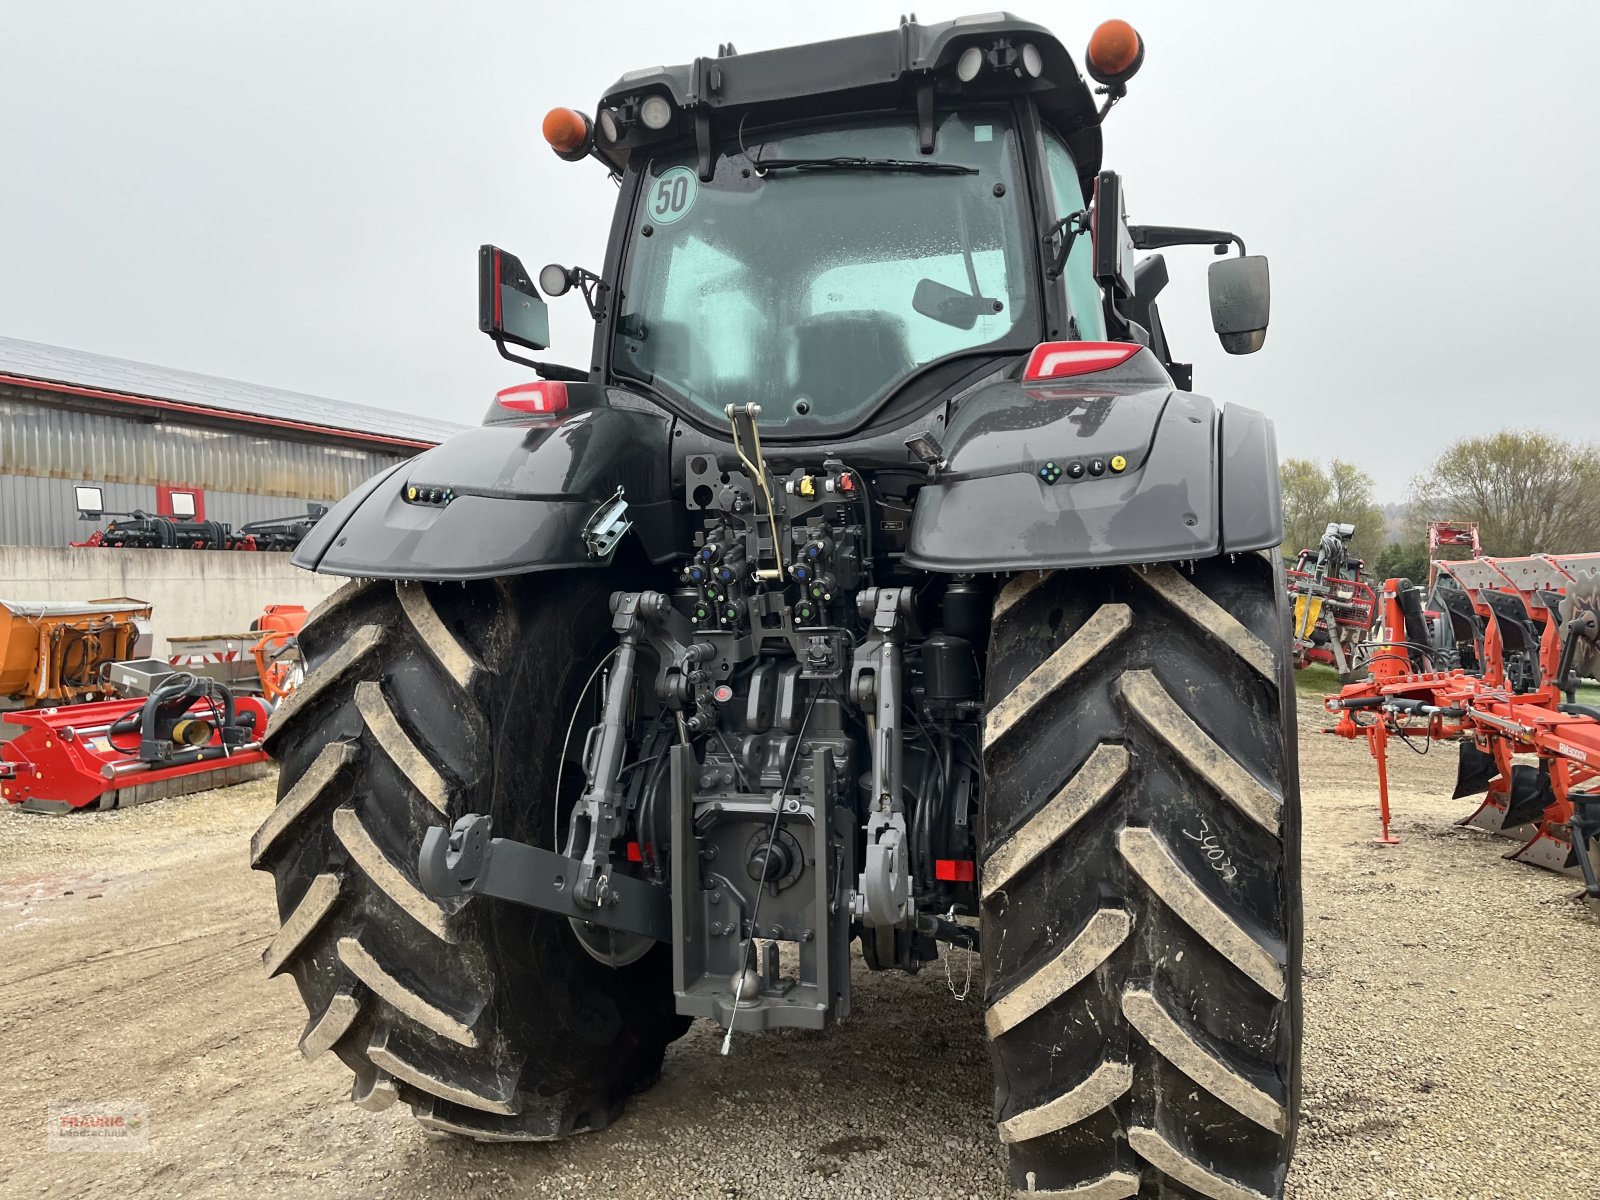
{"x": 194, "y": 591}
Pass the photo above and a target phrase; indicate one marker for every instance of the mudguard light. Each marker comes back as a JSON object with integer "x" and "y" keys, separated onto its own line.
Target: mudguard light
{"x": 1057, "y": 360}
{"x": 549, "y": 396}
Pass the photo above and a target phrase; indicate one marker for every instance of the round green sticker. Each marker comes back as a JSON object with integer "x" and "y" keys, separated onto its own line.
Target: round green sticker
{"x": 671, "y": 196}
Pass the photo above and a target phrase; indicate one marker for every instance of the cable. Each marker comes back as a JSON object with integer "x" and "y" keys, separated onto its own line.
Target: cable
{"x": 647, "y": 803}
{"x": 760, "y": 475}
{"x": 772, "y": 840}
{"x": 738, "y": 768}
{"x": 866, "y": 502}
{"x": 644, "y": 798}
{"x": 561, "y": 765}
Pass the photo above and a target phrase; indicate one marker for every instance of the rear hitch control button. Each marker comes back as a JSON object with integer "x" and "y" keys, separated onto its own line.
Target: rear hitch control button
{"x": 1097, "y": 466}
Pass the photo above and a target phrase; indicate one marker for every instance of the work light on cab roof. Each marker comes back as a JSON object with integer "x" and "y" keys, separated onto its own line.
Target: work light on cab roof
{"x": 984, "y": 54}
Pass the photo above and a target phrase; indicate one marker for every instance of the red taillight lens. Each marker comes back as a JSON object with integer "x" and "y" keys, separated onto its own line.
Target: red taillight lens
{"x": 1057, "y": 360}
{"x": 546, "y": 397}
{"x": 955, "y": 870}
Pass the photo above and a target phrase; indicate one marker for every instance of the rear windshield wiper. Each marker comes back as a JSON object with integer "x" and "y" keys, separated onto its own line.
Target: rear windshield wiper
{"x": 927, "y": 165}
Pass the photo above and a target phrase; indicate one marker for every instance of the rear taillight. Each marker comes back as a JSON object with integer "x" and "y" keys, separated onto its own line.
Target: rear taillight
{"x": 955, "y": 870}
{"x": 545, "y": 397}
{"x": 1057, "y": 360}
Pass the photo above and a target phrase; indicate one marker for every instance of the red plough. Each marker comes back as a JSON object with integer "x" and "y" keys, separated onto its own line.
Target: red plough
{"x": 1493, "y": 664}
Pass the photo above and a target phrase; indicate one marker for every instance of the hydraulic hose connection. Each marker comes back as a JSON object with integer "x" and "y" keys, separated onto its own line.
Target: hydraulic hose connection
{"x": 742, "y": 421}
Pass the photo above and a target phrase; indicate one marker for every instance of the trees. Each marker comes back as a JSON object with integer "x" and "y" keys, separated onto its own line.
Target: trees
{"x": 1401, "y": 560}
{"x": 1529, "y": 492}
{"x": 1312, "y": 497}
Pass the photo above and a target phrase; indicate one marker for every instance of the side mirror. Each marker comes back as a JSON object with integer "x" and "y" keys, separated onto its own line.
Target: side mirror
{"x": 510, "y": 308}
{"x": 1241, "y": 299}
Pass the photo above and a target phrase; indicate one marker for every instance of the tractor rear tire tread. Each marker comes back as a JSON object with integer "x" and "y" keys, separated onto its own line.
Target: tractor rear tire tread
{"x": 488, "y": 1019}
{"x": 1140, "y": 881}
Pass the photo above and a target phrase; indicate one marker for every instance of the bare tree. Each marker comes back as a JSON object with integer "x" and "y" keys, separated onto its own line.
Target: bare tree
{"x": 1529, "y": 492}
{"x": 1313, "y": 496}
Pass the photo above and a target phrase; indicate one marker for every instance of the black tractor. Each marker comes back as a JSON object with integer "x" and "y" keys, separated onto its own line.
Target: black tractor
{"x": 880, "y": 582}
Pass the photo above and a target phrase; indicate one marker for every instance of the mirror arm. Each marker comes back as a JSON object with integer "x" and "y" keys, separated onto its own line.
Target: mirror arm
{"x": 1158, "y": 237}
{"x": 594, "y": 292}
{"x": 544, "y": 370}
{"x": 1067, "y": 230}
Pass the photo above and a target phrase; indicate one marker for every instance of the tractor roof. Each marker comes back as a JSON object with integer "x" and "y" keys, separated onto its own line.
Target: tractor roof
{"x": 870, "y": 72}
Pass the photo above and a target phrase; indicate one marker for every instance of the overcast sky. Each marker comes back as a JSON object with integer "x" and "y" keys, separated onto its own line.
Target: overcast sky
{"x": 293, "y": 193}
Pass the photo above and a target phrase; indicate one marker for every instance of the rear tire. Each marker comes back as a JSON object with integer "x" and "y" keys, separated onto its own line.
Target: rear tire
{"x": 1141, "y": 881}
{"x": 422, "y": 703}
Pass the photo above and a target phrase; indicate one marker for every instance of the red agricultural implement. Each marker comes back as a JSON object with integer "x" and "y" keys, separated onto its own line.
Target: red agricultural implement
{"x": 1332, "y": 602}
{"x": 1494, "y": 664}
{"x": 188, "y": 735}
{"x": 140, "y": 530}
{"x": 1457, "y": 540}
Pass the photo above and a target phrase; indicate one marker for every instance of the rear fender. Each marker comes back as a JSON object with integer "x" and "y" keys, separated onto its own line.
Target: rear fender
{"x": 513, "y": 497}
{"x": 1033, "y": 482}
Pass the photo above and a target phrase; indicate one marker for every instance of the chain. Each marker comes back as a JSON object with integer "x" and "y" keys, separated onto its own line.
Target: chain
{"x": 966, "y": 983}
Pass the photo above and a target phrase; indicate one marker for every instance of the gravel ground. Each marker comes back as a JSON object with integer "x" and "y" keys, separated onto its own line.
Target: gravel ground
{"x": 1452, "y": 1009}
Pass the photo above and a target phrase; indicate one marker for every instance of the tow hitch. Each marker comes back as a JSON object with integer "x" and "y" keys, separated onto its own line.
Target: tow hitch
{"x": 466, "y": 861}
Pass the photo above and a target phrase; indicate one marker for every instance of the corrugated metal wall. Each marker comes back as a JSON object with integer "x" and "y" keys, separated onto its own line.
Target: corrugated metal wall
{"x": 47, "y": 449}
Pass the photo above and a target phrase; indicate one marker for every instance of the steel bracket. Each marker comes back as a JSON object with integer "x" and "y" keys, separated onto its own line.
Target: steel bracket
{"x": 605, "y": 528}
{"x": 466, "y": 861}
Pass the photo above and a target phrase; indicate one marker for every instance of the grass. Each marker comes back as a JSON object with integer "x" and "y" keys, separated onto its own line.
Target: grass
{"x": 1316, "y": 680}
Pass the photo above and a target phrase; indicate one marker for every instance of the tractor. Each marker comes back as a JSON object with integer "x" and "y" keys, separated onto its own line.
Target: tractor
{"x": 880, "y": 586}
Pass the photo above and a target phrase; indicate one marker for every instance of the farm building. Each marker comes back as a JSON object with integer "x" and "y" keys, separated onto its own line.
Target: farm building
{"x": 174, "y": 443}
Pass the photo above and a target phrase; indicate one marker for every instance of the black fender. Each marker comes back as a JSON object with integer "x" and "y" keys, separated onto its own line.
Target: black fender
{"x": 507, "y": 498}
{"x": 1032, "y": 481}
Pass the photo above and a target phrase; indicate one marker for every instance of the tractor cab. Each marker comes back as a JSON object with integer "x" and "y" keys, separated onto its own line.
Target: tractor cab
{"x": 849, "y": 232}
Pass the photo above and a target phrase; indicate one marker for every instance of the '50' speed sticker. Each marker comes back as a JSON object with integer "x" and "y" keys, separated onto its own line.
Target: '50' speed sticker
{"x": 671, "y": 196}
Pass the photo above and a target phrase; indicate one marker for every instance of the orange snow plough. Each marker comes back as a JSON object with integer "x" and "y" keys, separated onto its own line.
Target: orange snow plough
{"x": 51, "y": 652}
{"x": 264, "y": 659}
{"x": 1494, "y": 664}
{"x": 277, "y": 651}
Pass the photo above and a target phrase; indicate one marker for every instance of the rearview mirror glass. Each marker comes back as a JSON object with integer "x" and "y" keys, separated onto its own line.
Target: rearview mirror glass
{"x": 510, "y": 308}
{"x": 950, "y": 306}
{"x": 1241, "y": 299}
{"x": 90, "y": 502}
